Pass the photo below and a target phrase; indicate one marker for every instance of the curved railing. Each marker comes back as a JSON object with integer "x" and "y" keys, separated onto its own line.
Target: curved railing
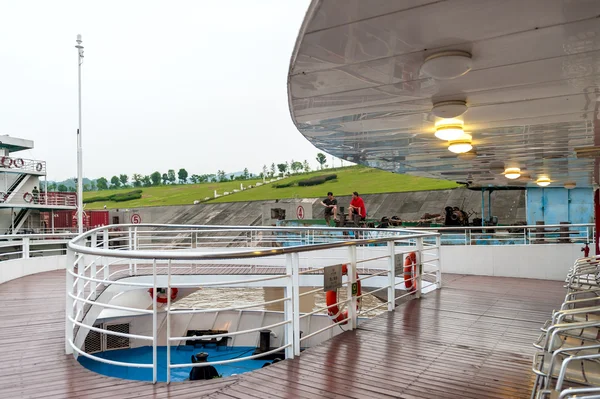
{"x": 109, "y": 256}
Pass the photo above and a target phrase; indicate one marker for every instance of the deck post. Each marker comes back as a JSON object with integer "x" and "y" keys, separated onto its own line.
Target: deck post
{"x": 93, "y": 284}
{"x": 25, "y": 247}
{"x": 69, "y": 302}
{"x": 438, "y": 243}
{"x": 135, "y": 247}
{"x": 104, "y": 259}
{"x": 352, "y": 313}
{"x": 419, "y": 274}
{"x": 288, "y": 308}
{"x": 296, "y": 301}
{"x": 391, "y": 294}
{"x": 154, "y": 324}
{"x": 130, "y": 248}
{"x": 169, "y": 322}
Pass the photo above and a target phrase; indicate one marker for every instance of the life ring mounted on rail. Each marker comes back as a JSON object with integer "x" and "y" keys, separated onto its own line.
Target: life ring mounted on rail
{"x": 28, "y": 197}
{"x": 335, "y": 313}
{"x": 39, "y": 167}
{"x": 19, "y": 163}
{"x": 6, "y": 162}
{"x": 161, "y": 296}
{"x": 410, "y": 272}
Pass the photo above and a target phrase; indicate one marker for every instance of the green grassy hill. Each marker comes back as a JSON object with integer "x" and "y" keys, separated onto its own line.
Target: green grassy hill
{"x": 356, "y": 178}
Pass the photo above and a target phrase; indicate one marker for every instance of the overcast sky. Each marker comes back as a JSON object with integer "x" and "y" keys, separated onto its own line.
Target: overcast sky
{"x": 166, "y": 84}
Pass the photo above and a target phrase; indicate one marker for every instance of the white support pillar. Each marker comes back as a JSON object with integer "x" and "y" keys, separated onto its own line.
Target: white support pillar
{"x": 419, "y": 272}
{"x": 154, "y": 325}
{"x": 25, "y": 247}
{"x": 438, "y": 243}
{"x": 296, "y": 301}
{"x": 93, "y": 284}
{"x": 352, "y": 305}
{"x": 391, "y": 276}
{"x": 69, "y": 301}
{"x": 105, "y": 246}
{"x": 288, "y": 308}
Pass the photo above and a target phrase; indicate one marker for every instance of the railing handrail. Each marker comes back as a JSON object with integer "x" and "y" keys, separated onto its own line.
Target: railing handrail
{"x": 171, "y": 255}
{"x": 528, "y": 226}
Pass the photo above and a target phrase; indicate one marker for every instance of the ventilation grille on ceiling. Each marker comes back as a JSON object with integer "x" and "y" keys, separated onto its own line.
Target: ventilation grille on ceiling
{"x": 588, "y": 152}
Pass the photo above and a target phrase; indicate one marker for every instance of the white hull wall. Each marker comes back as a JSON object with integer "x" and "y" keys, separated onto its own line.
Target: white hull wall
{"x": 16, "y": 268}
{"x": 547, "y": 261}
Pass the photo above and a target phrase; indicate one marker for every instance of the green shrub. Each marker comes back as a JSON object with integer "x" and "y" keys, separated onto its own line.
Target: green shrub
{"x": 313, "y": 181}
{"x": 130, "y": 195}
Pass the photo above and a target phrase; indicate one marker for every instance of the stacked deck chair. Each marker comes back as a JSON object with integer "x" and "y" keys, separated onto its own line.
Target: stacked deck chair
{"x": 567, "y": 363}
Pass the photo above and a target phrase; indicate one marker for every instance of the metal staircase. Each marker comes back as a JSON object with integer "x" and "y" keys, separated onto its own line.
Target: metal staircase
{"x": 19, "y": 220}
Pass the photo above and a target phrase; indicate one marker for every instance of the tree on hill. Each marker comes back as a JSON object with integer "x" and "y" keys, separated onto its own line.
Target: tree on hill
{"x": 246, "y": 174}
{"x": 115, "y": 182}
{"x": 171, "y": 175}
{"x": 296, "y": 166}
{"x": 321, "y": 159}
{"x": 306, "y": 166}
{"x": 272, "y": 169}
{"x": 147, "y": 180}
{"x": 154, "y": 179}
{"x": 195, "y": 179}
{"x": 221, "y": 175}
{"x": 62, "y": 188}
{"x": 282, "y": 168}
{"x": 182, "y": 175}
{"x": 92, "y": 186}
{"x": 137, "y": 180}
{"x": 265, "y": 171}
{"x": 102, "y": 183}
{"x": 165, "y": 178}
{"x": 123, "y": 179}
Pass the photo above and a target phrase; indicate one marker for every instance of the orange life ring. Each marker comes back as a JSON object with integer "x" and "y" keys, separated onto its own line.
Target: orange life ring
{"x": 333, "y": 311}
{"x": 162, "y": 297}
{"x": 410, "y": 272}
{"x": 28, "y": 197}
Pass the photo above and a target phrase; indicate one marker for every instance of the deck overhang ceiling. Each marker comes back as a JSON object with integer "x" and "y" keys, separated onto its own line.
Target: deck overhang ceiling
{"x": 357, "y": 89}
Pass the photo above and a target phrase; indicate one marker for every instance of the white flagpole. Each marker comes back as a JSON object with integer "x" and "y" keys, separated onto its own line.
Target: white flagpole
{"x": 79, "y": 48}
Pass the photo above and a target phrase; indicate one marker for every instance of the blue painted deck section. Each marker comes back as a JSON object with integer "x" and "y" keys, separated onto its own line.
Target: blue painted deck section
{"x": 179, "y": 355}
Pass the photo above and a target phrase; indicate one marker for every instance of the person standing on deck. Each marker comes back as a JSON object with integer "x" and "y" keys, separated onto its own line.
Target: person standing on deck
{"x": 36, "y": 195}
{"x": 330, "y": 204}
{"x": 357, "y": 208}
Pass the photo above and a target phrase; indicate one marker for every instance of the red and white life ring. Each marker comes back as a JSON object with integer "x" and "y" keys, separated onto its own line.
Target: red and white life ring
{"x": 162, "y": 294}
{"x": 336, "y": 314}
{"x": 410, "y": 272}
{"x": 6, "y": 162}
{"x": 28, "y": 197}
{"x": 19, "y": 163}
{"x": 39, "y": 167}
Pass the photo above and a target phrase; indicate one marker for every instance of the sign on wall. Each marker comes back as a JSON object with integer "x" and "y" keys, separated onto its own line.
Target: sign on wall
{"x": 300, "y": 212}
{"x": 332, "y": 277}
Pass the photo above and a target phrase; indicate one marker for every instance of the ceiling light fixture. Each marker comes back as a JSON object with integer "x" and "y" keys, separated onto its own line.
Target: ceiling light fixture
{"x": 449, "y": 109}
{"x": 460, "y": 145}
{"x": 512, "y": 173}
{"x": 570, "y": 185}
{"x": 449, "y": 129}
{"x": 447, "y": 64}
{"x": 543, "y": 181}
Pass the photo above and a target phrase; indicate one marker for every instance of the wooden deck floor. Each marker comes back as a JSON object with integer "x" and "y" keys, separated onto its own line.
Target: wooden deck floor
{"x": 472, "y": 339}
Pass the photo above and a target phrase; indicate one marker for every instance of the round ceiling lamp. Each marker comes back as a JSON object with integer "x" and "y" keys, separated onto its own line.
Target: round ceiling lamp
{"x": 570, "y": 185}
{"x": 543, "y": 181}
{"x": 460, "y": 145}
{"x": 512, "y": 173}
{"x": 449, "y": 129}
{"x": 468, "y": 156}
{"x": 449, "y": 109}
{"x": 447, "y": 64}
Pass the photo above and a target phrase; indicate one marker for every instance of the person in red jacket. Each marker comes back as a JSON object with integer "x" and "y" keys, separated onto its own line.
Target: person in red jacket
{"x": 357, "y": 208}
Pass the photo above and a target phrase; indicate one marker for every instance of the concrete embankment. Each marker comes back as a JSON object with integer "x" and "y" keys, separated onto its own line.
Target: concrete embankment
{"x": 508, "y": 206}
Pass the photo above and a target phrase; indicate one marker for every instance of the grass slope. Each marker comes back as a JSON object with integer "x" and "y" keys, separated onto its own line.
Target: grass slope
{"x": 165, "y": 195}
{"x": 356, "y": 178}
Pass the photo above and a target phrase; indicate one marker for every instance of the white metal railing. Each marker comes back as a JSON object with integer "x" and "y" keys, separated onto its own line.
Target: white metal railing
{"x": 97, "y": 258}
{"x": 20, "y": 246}
{"x": 24, "y": 197}
{"x": 23, "y": 165}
